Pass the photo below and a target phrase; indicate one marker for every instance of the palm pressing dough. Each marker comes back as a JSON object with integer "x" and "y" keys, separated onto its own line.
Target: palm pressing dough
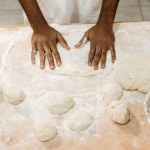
{"x": 80, "y": 121}
{"x": 59, "y": 103}
{"x": 13, "y": 94}
{"x": 45, "y": 132}
{"x": 132, "y": 72}
{"x": 119, "y": 113}
{"x": 112, "y": 92}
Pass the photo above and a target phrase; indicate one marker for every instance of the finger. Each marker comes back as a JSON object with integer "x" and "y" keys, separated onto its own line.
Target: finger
{"x": 56, "y": 54}
{"x": 82, "y": 42}
{"x": 42, "y": 56}
{"x": 49, "y": 57}
{"x": 62, "y": 41}
{"x": 97, "y": 57}
{"x": 103, "y": 58}
{"x": 113, "y": 53}
{"x": 33, "y": 54}
{"x": 91, "y": 53}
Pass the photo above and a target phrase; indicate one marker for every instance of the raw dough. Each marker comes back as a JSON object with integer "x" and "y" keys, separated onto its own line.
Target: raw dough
{"x": 112, "y": 91}
{"x": 133, "y": 73}
{"x": 45, "y": 132}
{"x": 146, "y": 106}
{"x": 74, "y": 61}
{"x": 13, "y": 94}
{"x": 59, "y": 103}
{"x": 80, "y": 121}
{"x": 119, "y": 113}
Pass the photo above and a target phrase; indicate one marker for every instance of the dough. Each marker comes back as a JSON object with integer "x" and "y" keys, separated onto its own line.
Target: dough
{"x": 112, "y": 91}
{"x": 119, "y": 113}
{"x": 80, "y": 121}
{"x": 59, "y": 103}
{"x": 146, "y": 106}
{"x": 74, "y": 61}
{"x": 45, "y": 132}
{"x": 133, "y": 73}
{"x": 13, "y": 94}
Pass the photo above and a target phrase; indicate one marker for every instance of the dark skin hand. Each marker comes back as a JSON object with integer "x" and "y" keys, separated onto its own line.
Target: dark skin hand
{"x": 101, "y": 36}
{"x": 44, "y": 38}
{"x": 45, "y": 42}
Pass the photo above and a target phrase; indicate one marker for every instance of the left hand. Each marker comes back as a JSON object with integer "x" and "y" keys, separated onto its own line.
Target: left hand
{"x": 101, "y": 39}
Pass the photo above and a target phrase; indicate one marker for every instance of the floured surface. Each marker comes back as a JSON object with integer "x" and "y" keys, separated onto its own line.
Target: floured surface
{"x": 84, "y": 85}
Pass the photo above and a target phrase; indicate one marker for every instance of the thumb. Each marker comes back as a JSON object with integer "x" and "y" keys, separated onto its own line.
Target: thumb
{"x": 62, "y": 41}
{"x": 82, "y": 42}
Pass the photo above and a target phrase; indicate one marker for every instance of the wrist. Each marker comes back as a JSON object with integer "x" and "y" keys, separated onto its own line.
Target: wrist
{"x": 105, "y": 24}
{"x": 39, "y": 27}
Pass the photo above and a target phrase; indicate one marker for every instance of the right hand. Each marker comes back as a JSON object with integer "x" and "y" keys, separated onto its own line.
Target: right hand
{"x": 45, "y": 41}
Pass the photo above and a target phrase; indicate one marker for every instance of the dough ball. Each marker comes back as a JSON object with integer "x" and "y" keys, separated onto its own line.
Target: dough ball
{"x": 132, "y": 72}
{"x": 119, "y": 113}
{"x": 112, "y": 91}
{"x": 80, "y": 121}
{"x": 13, "y": 95}
{"x": 59, "y": 103}
{"x": 45, "y": 132}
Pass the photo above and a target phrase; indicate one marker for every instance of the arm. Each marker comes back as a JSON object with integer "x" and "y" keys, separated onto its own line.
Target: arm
{"x": 44, "y": 38}
{"x": 101, "y": 36}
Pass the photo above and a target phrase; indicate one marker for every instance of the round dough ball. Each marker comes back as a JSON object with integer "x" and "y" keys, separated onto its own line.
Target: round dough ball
{"x": 59, "y": 103}
{"x": 45, "y": 132}
{"x": 80, "y": 121}
{"x": 112, "y": 91}
{"x": 119, "y": 113}
{"x": 13, "y": 95}
{"x": 132, "y": 73}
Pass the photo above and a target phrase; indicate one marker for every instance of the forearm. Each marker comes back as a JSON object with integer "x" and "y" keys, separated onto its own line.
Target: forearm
{"x": 108, "y": 11}
{"x": 34, "y": 14}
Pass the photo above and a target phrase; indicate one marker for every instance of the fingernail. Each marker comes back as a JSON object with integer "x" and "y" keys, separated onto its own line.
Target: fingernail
{"x": 59, "y": 63}
{"x": 52, "y": 67}
{"x": 77, "y": 45}
{"x": 33, "y": 62}
{"x": 68, "y": 48}
{"x": 96, "y": 67}
{"x": 103, "y": 66}
{"x": 90, "y": 63}
{"x": 42, "y": 66}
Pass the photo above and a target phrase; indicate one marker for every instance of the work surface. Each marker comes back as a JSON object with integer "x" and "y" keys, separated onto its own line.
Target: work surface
{"x": 17, "y": 122}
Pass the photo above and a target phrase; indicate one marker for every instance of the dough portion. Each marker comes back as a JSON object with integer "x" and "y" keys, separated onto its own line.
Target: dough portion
{"x": 59, "y": 103}
{"x": 45, "y": 132}
{"x": 146, "y": 106}
{"x": 132, "y": 72}
{"x": 80, "y": 121}
{"x": 112, "y": 92}
{"x": 119, "y": 113}
{"x": 12, "y": 94}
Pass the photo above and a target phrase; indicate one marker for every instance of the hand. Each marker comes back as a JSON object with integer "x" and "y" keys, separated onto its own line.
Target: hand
{"x": 45, "y": 41}
{"x": 101, "y": 39}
